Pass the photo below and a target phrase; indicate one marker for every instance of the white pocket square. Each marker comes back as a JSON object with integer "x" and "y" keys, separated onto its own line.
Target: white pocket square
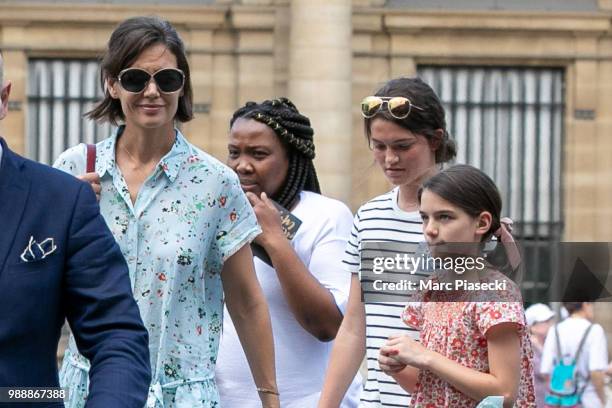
{"x": 35, "y": 251}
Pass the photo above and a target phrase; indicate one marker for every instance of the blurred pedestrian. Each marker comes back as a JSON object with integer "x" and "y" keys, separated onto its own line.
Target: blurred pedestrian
{"x": 565, "y": 339}
{"x": 540, "y": 318}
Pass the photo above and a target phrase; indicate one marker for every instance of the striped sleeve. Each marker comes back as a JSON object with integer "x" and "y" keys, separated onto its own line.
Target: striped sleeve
{"x": 351, "y": 253}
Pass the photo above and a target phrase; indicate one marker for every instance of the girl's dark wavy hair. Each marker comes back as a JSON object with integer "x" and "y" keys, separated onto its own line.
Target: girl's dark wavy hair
{"x": 473, "y": 191}
{"x": 296, "y": 135}
{"x": 469, "y": 189}
{"x": 127, "y": 42}
{"x": 423, "y": 122}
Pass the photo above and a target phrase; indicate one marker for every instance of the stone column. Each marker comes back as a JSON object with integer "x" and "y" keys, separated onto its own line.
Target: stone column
{"x": 582, "y": 177}
{"x": 319, "y": 84}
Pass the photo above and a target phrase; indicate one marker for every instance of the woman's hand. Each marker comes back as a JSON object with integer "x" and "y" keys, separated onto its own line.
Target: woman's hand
{"x": 406, "y": 351}
{"x": 94, "y": 181}
{"x": 268, "y": 218}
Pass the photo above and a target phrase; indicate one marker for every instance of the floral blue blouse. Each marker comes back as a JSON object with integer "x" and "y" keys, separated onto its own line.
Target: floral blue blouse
{"x": 189, "y": 217}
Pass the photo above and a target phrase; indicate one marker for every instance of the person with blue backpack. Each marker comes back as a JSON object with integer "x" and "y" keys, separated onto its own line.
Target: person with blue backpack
{"x": 575, "y": 357}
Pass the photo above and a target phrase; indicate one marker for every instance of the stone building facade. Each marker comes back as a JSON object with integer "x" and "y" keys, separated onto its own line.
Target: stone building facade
{"x": 326, "y": 55}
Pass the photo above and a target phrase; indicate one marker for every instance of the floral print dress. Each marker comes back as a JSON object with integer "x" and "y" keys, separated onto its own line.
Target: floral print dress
{"x": 189, "y": 217}
{"x": 457, "y": 330}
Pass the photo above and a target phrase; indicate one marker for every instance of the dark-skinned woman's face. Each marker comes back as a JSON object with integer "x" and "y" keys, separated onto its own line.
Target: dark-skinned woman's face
{"x": 256, "y": 154}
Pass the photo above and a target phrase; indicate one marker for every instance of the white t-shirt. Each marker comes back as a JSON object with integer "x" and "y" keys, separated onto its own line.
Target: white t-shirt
{"x": 301, "y": 359}
{"x": 380, "y": 219}
{"x": 593, "y": 357}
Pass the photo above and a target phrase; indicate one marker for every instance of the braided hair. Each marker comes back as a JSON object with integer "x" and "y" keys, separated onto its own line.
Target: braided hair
{"x": 294, "y": 131}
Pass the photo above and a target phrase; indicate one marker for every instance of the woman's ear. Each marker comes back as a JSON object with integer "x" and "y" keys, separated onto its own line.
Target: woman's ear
{"x": 436, "y": 140}
{"x": 111, "y": 86}
{"x": 484, "y": 223}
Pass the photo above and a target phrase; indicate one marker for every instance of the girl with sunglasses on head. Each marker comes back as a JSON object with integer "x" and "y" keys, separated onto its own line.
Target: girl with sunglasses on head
{"x": 271, "y": 149}
{"x": 406, "y": 131}
{"x": 472, "y": 345}
{"x": 181, "y": 220}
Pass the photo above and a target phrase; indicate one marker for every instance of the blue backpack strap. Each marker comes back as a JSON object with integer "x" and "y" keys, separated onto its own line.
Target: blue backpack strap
{"x": 580, "y": 347}
{"x": 582, "y": 341}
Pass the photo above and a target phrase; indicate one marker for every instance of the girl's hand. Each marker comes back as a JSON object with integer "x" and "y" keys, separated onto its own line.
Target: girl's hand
{"x": 407, "y": 351}
{"x": 389, "y": 365}
{"x": 268, "y": 218}
{"x": 94, "y": 181}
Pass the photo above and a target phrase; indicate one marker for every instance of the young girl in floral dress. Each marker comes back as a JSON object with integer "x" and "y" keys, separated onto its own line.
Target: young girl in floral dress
{"x": 472, "y": 345}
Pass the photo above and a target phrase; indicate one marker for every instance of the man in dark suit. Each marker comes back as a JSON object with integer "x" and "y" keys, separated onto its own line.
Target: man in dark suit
{"x": 59, "y": 260}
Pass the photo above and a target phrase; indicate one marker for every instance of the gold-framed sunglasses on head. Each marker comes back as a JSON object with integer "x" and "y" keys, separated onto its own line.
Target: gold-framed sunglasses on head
{"x": 399, "y": 107}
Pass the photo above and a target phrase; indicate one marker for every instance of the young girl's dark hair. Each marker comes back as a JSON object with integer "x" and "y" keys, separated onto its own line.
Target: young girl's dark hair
{"x": 425, "y": 121}
{"x": 296, "y": 135}
{"x": 469, "y": 189}
{"x": 127, "y": 42}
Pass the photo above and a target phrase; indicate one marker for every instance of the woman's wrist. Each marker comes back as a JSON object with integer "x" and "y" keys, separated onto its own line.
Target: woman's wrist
{"x": 268, "y": 399}
{"x": 264, "y": 390}
{"x": 275, "y": 242}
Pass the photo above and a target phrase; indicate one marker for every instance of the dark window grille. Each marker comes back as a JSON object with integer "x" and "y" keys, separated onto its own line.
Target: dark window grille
{"x": 59, "y": 92}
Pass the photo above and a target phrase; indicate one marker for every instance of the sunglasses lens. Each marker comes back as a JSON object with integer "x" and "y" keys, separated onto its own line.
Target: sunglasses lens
{"x": 399, "y": 107}
{"x": 134, "y": 80}
{"x": 169, "y": 80}
{"x": 370, "y": 105}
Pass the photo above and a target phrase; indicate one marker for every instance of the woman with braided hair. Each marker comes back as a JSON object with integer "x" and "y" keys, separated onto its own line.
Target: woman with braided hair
{"x": 271, "y": 149}
{"x": 294, "y": 131}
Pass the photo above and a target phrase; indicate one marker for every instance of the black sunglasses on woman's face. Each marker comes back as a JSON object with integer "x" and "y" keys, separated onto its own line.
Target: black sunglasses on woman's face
{"x": 135, "y": 80}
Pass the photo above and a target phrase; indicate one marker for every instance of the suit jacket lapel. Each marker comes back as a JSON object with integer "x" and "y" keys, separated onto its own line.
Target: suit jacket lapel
{"x": 14, "y": 191}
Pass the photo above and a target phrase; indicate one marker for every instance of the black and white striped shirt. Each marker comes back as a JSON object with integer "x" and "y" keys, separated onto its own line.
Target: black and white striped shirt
{"x": 380, "y": 219}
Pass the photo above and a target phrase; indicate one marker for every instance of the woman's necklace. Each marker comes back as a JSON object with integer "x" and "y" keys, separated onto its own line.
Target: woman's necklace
{"x": 135, "y": 163}
{"x": 129, "y": 154}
